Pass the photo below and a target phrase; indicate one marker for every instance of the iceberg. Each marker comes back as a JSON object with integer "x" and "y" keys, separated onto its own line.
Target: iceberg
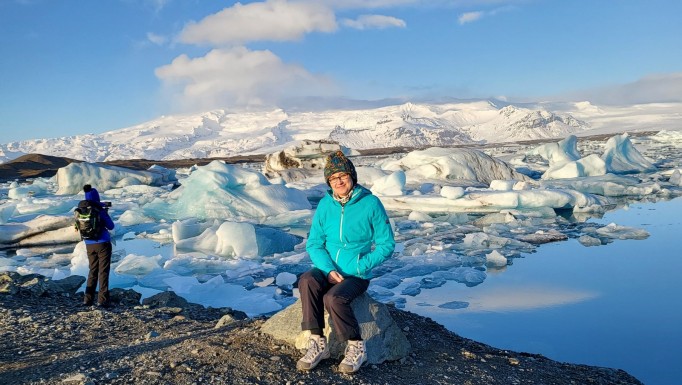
{"x": 71, "y": 178}
{"x": 223, "y": 191}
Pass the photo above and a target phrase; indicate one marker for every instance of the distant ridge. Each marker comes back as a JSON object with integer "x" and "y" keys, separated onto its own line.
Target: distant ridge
{"x": 45, "y": 166}
{"x": 33, "y": 166}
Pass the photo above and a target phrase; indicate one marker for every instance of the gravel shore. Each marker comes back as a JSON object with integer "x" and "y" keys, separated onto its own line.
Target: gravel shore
{"x": 53, "y": 339}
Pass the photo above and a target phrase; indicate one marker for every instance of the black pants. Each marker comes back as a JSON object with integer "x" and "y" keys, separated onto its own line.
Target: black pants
{"x": 99, "y": 259}
{"x": 316, "y": 291}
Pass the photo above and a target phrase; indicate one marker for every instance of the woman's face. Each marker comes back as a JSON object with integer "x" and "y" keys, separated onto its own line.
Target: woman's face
{"x": 341, "y": 183}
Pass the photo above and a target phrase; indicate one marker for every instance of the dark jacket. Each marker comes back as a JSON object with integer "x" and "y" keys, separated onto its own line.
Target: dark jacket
{"x": 93, "y": 196}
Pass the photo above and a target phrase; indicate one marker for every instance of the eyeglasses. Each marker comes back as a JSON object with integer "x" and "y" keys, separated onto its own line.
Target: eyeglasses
{"x": 337, "y": 179}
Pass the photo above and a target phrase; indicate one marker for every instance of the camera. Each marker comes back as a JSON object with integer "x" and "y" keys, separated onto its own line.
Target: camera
{"x": 106, "y": 204}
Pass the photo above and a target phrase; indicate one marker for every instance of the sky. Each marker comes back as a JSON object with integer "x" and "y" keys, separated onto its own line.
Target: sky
{"x": 76, "y": 67}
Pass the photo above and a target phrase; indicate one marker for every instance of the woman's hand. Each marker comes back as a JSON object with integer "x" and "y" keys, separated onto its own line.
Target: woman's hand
{"x": 334, "y": 277}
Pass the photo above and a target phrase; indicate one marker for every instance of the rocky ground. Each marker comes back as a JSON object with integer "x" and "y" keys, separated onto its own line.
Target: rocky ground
{"x": 48, "y": 337}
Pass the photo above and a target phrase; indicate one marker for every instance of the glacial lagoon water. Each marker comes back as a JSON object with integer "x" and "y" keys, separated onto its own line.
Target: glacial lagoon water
{"x": 618, "y": 305}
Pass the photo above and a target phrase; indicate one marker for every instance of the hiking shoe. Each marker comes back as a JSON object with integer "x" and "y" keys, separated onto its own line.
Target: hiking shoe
{"x": 354, "y": 357}
{"x": 318, "y": 350}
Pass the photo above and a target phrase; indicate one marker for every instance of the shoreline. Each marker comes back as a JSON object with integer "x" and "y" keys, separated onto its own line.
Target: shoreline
{"x": 48, "y": 337}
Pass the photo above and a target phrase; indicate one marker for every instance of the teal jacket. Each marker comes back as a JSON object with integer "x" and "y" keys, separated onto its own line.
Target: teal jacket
{"x": 341, "y": 237}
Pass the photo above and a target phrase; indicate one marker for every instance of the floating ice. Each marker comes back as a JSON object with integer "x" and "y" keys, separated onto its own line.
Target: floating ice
{"x": 285, "y": 279}
{"x": 587, "y": 240}
{"x": 419, "y": 216}
{"x": 563, "y": 152}
{"x": 451, "y": 192}
{"x": 450, "y": 164}
{"x": 7, "y": 210}
{"x": 492, "y": 201}
{"x": 239, "y": 239}
{"x": 223, "y": 191}
{"x": 393, "y": 184}
{"x": 35, "y": 189}
{"x": 466, "y": 275}
{"x": 619, "y": 157}
{"x": 133, "y": 217}
{"x": 615, "y": 231}
{"x": 622, "y": 157}
{"x": 216, "y": 293}
{"x": 454, "y": 305}
{"x": 42, "y": 230}
{"x": 71, "y": 178}
{"x": 411, "y": 289}
{"x": 45, "y": 206}
{"x": 608, "y": 185}
{"x": 138, "y": 264}
{"x": 591, "y": 165}
{"x": 188, "y": 228}
{"x": 495, "y": 259}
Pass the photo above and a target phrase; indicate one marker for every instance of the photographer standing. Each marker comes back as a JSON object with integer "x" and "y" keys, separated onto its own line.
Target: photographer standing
{"x": 97, "y": 240}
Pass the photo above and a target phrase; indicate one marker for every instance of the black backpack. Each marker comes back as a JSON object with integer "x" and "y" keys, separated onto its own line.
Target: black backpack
{"x": 88, "y": 219}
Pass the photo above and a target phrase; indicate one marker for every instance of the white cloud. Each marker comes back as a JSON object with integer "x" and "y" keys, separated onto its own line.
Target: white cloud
{"x": 156, "y": 39}
{"x": 374, "y": 21}
{"x": 272, "y": 20}
{"x": 469, "y": 17}
{"x": 238, "y": 77}
{"x": 654, "y": 88}
{"x": 368, "y": 4}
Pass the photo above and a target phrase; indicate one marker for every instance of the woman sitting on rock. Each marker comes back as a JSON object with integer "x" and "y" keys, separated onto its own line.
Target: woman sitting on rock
{"x": 348, "y": 221}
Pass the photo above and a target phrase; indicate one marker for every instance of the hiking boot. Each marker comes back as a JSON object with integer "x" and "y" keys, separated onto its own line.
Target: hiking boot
{"x": 318, "y": 350}
{"x": 354, "y": 357}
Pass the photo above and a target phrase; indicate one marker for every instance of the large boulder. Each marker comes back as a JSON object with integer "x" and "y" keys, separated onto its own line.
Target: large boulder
{"x": 37, "y": 285}
{"x": 165, "y": 299}
{"x": 385, "y": 341}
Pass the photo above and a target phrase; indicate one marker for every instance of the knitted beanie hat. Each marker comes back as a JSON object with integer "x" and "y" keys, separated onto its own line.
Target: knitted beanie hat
{"x": 91, "y": 193}
{"x": 337, "y": 162}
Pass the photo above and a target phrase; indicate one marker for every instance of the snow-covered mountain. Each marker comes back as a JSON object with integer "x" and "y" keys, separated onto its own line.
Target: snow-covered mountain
{"x": 222, "y": 133}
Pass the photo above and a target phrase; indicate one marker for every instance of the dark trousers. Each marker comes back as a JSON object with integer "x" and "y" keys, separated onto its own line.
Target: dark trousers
{"x": 99, "y": 259}
{"x": 317, "y": 292}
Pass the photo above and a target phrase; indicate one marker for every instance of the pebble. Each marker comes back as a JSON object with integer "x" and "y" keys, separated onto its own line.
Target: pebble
{"x": 151, "y": 334}
{"x": 153, "y": 374}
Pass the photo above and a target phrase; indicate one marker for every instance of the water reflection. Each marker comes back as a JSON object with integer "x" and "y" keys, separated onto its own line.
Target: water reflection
{"x": 615, "y": 305}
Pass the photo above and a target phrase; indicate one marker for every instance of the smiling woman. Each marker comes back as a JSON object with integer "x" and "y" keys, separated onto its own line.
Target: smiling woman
{"x": 349, "y": 236}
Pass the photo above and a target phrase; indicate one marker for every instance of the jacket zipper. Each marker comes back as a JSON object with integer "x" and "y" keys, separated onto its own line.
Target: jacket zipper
{"x": 340, "y": 234}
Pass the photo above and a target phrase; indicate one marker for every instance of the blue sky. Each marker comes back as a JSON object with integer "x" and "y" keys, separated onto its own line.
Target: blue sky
{"x": 80, "y": 66}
